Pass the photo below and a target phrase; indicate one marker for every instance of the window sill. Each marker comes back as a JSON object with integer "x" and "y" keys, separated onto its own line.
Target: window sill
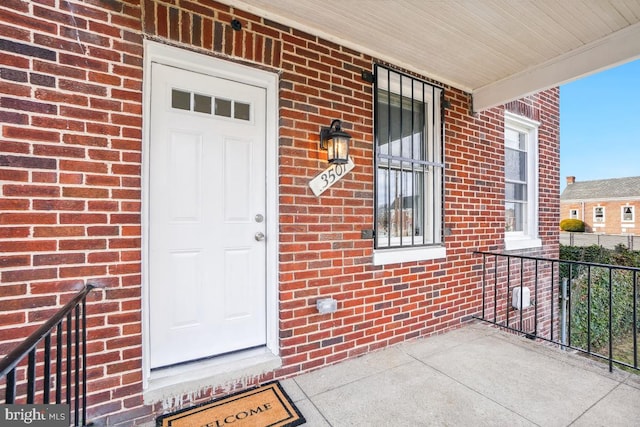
{"x": 394, "y": 256}
{"x": 524, "y": 242}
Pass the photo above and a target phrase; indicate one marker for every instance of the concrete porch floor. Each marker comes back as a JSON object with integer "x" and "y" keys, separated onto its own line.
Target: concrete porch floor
{"x": 473, "y": 376}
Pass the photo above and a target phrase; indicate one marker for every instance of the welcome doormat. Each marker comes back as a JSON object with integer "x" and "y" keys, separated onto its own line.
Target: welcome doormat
{"x": 264, "y": 406}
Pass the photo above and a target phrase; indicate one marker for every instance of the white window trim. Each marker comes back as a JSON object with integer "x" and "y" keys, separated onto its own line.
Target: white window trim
{"x": 577, "y": 215}
{"x": 528, "y": 238}
{"x": 633, "y": 214}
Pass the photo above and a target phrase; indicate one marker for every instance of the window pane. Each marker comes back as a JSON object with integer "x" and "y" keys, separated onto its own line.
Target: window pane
{"x": 514, "y": 139}
{"x": 403, "y": 206}
{"x": 241, "y": 111}
{"x": 433, "y": 222}
{"x": 514, "y": 216}
{"x": 405, "y": 136}
{"x": 383, "y": 211}
{"x": 420, "y": 233}
{"x": 627, "y": 214}
{"x": 395, "y": 220}
{"x": 413, "y": 127}
{"x": 181, "y": 100}
{"x": 418, "y": 145}
{"x": 382, "y": 122}
{"x": 223, "y": 107}
{"x": 407, "y": 207}
{"x": 419, "y": 111}
{"x": 395, "y": 126}
{"x": 401, "y": 218}
{"x": 516, "y": 192}
{"x": 202, "y": 104}
{"x": 515, "y": 165}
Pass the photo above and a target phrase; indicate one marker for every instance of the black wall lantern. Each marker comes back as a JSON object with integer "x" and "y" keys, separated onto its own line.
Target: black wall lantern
{"x": 336, "y": 142}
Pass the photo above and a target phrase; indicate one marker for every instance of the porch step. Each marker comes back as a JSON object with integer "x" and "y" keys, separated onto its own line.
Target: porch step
{"x": 171, "y": 384}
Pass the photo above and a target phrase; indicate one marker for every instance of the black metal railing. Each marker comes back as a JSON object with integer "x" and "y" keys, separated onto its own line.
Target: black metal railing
{"x": 52, "y": 359}
{"x": 588, "y": 307}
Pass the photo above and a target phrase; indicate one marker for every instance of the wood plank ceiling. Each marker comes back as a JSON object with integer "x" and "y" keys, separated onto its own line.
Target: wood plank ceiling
{"x": 496, "y": 49}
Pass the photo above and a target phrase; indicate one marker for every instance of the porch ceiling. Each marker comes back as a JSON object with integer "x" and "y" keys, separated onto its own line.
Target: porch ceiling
{"x": 498, "y": 50}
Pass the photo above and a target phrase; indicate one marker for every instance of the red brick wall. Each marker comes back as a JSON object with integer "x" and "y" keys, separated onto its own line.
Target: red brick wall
{"x": 70, "y": 113}
{"x": 70, "y": 170}
{"x": 612, "y": 214}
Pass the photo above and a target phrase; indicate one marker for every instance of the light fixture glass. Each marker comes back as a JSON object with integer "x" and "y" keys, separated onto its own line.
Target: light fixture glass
{"x": 336, "y": 142}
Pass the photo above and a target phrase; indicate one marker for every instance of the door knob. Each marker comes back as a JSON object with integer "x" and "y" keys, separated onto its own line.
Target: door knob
{"x": 259, "y": 236}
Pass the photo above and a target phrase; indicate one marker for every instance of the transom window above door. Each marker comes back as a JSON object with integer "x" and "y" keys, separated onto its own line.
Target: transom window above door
{"x": 207, "y": 104}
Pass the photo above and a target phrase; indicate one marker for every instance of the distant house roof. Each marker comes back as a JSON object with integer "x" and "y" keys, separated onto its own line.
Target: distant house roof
{"x": 600, "y": 189}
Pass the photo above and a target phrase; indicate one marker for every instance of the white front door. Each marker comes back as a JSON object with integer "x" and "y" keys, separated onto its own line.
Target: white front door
{"x": 207, "y": 254}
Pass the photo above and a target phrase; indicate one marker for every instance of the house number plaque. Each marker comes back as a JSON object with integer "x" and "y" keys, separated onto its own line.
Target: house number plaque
{"x": 330, "y": 176}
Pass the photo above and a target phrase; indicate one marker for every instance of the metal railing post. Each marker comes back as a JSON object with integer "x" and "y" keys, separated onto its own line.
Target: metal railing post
{"x": 610, "y": 320}
{"x": 552, "y": 293}
{"x": 563, "y": 315}
{"x": 635, "y": 319}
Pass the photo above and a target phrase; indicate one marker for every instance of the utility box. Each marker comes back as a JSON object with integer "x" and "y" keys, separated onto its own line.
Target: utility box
{"x": 517, "y": 299}
{"x": 327, "y": 305}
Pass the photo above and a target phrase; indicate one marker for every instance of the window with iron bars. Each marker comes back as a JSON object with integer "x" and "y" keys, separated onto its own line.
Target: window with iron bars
{"x": 408, "y": 162}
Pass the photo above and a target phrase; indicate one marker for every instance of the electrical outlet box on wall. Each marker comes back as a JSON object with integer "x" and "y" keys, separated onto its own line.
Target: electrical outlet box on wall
{"x": 517, "y": 299}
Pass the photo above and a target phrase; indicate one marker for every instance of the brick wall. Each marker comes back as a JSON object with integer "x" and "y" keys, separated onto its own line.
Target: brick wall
{"x": 70, "y": 81}
{"x": 70, "y": 171}
{"x": 612, "y": 215}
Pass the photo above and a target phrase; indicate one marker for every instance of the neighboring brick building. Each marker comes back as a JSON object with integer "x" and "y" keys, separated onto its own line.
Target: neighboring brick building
{"x": 608, "y": 206}
{"x": 138, "y": 135}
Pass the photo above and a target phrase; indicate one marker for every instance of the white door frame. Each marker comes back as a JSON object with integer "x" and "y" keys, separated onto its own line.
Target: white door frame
{"x": 192, "y": 61}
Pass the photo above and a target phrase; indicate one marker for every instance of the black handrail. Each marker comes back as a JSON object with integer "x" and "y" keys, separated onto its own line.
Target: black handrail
{"x": 503, "y": 274}
{"x": 29, "y": 347}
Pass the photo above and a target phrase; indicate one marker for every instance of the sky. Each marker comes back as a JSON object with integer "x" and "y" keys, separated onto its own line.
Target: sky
{"x": 600, "y": 125}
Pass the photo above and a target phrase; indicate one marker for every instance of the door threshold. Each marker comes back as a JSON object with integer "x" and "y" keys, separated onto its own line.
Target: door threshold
{"x": 170, "y": 384}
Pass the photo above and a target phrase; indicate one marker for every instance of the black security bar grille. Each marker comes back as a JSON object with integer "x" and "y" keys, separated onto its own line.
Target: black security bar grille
{"x": 52, "y": 359}
{"x": 409, "y": 160}
{"x": 588, "y": 307}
